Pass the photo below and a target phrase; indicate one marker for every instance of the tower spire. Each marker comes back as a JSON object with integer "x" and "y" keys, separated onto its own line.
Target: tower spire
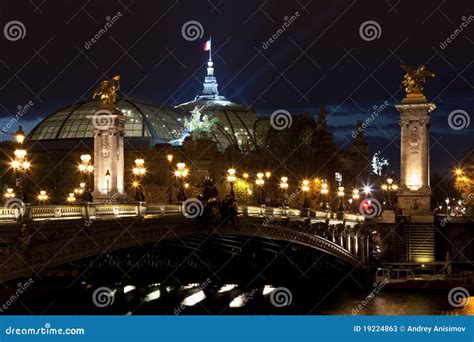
{"x": 210, "y": 86}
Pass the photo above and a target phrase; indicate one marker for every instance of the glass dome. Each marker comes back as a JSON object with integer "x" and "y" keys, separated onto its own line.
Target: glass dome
{"x": 156, "y": 123}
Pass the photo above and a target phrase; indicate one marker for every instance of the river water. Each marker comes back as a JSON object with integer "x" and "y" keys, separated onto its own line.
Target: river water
{"x": 227, "y": 299}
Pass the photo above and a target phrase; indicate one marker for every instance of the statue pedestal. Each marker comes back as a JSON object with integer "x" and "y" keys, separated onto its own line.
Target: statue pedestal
{"x": 109, "y": 131}
{"x": 414, "y": 196}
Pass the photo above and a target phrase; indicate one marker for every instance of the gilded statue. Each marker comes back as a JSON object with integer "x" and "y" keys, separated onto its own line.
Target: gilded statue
{"x": 107, "y": 91}
{"x": 414, "y": 79}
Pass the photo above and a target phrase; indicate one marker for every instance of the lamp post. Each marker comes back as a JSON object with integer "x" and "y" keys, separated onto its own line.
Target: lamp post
{"x": 139, "y": 167}
{"x": 447, "y": 206}
{"x": 284, "y": 188}
{"x": 181, "y": 172}
{"x": 340, "y": 194}
{"x": 305, "y": 188}
{"x": 231, "y": 179}
{"x": 86, "y": 167}
{"x": 170, "y": 157}
{"x": 389, "y": 188}
{"x": 139, "y": 171}
{"x": 20, "y": 163}
{"x": 324, "y": 193}
{"x": 355, "y": 196}
{"x": 260, "y": 182}
{"x": 107, "y": 179}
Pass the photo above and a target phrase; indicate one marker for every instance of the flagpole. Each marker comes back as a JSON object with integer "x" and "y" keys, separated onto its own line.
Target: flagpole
{"x": 210, "y": 47}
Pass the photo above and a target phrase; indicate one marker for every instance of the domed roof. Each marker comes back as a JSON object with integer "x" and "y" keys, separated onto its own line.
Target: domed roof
{"x": 156, "y": 123}
{"x": 235, "y": 122}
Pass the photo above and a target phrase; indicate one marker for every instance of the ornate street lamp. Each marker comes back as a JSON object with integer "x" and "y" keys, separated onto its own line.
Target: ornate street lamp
{"x": 42, "y": 196}
{"x": 139, "y": 171}
{"x": 170, "y": 157}
{"x": 284, "y": 188}
{"x": 260, "y": 182}
{"x": 324, "y": 192}
{"x": 340, "y": 194}
{"x": 71, "y": 198}
{"x": 231, "y": 179}
{"x": 9, "y": 193}
{"x": 389, "y": 188}
{"x": 107, "y": 179}
{"x": 181, "y": 172}
{"x": 305, "y": 188}
{"x": 20, "y": 163}
{"x": 20, "y": 136}
{"x": 86, "y": 167}
{"x": 139, "y": 167}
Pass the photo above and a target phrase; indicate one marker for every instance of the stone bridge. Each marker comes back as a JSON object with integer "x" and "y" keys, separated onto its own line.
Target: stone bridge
{"x": 35, "y": 238}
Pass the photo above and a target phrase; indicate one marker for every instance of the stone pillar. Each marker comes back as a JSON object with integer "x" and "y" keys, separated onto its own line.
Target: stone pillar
{"x": 415, "y": 194}
{"x": 109, "y": 133}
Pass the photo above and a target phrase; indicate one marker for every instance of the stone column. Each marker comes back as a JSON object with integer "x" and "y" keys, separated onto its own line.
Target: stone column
{"x": 109, "y": 133}
{"x": 415, "y": 194}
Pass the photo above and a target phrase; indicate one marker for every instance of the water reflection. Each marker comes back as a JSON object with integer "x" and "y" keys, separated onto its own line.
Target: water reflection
{"x": 194, "y": 298}
{"x": 238, "y": 298}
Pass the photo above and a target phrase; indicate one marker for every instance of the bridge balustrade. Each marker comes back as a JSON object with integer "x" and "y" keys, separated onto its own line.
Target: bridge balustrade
{"x": 337, "y": 231}
{"x": 10, "y": 214}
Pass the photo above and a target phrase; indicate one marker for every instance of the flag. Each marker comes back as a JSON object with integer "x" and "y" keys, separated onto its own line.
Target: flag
{"x": 207, "y": 45}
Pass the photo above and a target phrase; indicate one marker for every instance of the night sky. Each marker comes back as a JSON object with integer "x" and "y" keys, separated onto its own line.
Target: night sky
{"x": 319, "y": 60}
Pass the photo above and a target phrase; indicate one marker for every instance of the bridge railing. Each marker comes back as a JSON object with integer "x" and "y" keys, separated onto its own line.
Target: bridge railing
{"x": 93, "y": 211}
{"x": 345, "y": 242}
